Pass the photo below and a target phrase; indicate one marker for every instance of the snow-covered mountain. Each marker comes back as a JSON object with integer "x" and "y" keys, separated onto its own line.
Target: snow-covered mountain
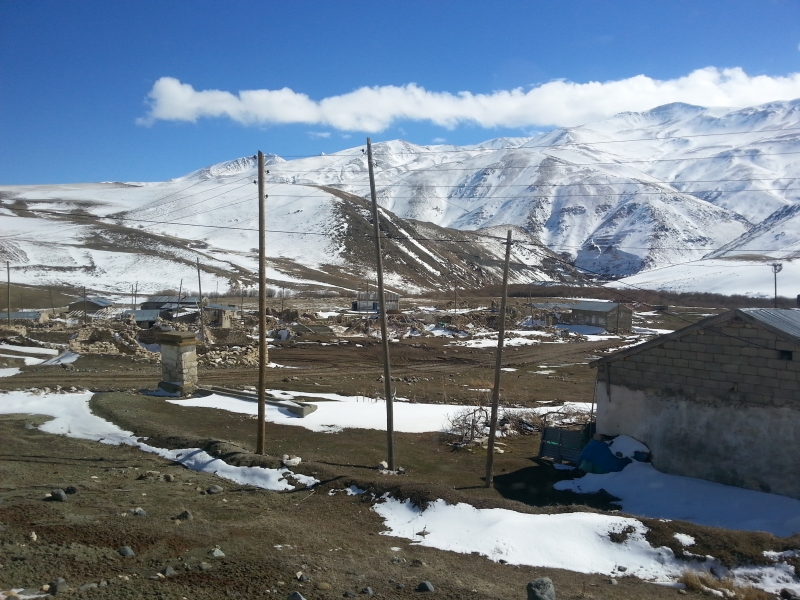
{"x": 626, "y": 196}
{"x": 109, "y": 236}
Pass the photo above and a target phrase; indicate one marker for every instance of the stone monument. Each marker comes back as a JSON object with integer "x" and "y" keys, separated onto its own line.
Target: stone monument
{"x": 178, "y": 362}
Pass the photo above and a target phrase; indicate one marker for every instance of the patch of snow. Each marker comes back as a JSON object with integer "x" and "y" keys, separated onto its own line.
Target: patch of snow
{"x": 28, "y": 349}
{"x": 647, "y": 492}
{"x": 72, "y": 417}
{"x": 684, "y": 539}
{"x": 62, "y": 359}
{"x": 9, "y": 371}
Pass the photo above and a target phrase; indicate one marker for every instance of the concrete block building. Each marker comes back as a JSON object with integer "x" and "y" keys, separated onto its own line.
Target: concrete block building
{"x": 370, "y": 302}
{"x": 611, "y": 316}
{"x": 717, "y": 400}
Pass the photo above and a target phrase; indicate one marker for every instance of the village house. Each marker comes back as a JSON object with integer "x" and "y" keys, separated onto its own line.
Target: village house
{"x": 27, "y": 316}
{"x": 370, "y": 302}
{"x": 91, "y": 306}
{"x": 170, "y": 302}
{"x": 717, "y": 400}
{"x": 611, "y": 316}
{"x": 145, "y": 319}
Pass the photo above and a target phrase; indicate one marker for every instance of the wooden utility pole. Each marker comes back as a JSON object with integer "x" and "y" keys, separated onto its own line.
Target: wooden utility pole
{"x": 180, "y": 289}
{"x": 262, "y": 306}
{"x": 455, "y": 294}
{"x": 8, "y": 292}
{"x": 200, "y": 303}
{"x": 498, "y": 361}
{"x": 136, "y": 295}
{"x": 85, "y": 312}
{"x": 52, "y": 304}
{"x": 387, "y": 370}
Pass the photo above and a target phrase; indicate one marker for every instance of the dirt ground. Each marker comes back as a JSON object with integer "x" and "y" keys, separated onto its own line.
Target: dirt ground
{"x": 268, "y": 537}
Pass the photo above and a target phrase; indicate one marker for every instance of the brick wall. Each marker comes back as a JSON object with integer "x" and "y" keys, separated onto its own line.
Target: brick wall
{"x": 733, "y": 362}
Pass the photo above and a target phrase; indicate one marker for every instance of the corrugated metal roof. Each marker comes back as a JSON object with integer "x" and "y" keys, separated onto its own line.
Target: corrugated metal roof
{"x": 174, "y": 299}
{"x": 97, "y": 301}
{"x": 30, "y": 315}
{"x": 143, "y": 315}
{"x": 783, "y": 319}
{"x": 590, "y": 305}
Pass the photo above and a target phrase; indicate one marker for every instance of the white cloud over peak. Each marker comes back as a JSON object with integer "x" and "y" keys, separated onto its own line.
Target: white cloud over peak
{"x": 374, "y": 109}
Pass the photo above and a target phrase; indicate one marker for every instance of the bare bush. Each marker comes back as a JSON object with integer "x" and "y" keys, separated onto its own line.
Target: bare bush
{"x": 468, "y": 423}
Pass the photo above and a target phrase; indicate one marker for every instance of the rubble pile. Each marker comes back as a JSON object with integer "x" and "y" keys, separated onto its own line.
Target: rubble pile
{"x": 236, "y": 356}
{"x": 121, "y": 338}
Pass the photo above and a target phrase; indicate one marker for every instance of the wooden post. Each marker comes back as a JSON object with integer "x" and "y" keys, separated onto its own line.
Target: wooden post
{"x": 85, "y": 312}
{"x": 52, "y": 304}
{"x": 136, "y": 295}
{"x": 200, "y": 303}
{"x": 241, "y": 288}
{"x": 180, "y": 289}
{"x": 8, "y": 292}
{"x": 262, "y": 307}
{"x": 498, "y": 361}
{"x": 387, "y": 370}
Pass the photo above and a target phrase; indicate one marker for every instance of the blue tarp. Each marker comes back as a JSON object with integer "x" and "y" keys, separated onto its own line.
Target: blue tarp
{"x": 598, "y": 458}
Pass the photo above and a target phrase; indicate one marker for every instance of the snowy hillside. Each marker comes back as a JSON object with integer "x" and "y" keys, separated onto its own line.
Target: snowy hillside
{"x": 108, "y": 236}
{"x": 632, "y": 196}
{"x": 635, "y": 192}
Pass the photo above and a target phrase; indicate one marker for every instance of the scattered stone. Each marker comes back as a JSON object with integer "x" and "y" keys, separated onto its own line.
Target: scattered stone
{"x": 382, "y": 466}
{"x": 126, "y": 552}
{"x": 139, "y": 512}
{"x": 368, "y": 591}
{"x": 33, "y": 536}
{"x": 169, "y": 477}
{"x": 71, "y": 489}
{"x": 45, "y": 587}
{"x": 214, "y": 489}
{"x": 87, "y": 586}
{"x": 396, "y": 560}
{"x": 612, "y": 581}
{"x": 168, "y": 571}
{"x": 291, "y": 461}
{"x": 29, "y": 592}
{"x": 216, "y": 553}
{"x": 184, "y": 516}
{"x": 30, "y": 426}
{"x": 622, "y": 568}
{"x": 349, "y": 594}
{"x": 417, "y": 563}
{"x": 541, "y": 589}
{"x": 204, "y": 566}
{"x": 58, "y": 495}
{"x": 425, "y": 586}
{"x": 323, "y": 586}
{"x": 303, "y": 577}
{"x": 399, "y": 586}
{"x": 58, "y": 586}
{"x": 295, "y": 596}
{"x": 682, "y": 592}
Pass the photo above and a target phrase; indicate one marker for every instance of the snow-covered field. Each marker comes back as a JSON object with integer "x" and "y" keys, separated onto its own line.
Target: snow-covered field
{"x": 575, "y": 541}
{"x": 72, "y": 417}
{"x": 720, "y": 276}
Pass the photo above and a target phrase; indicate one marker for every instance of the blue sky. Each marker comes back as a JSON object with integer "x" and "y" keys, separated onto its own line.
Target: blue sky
{"x": 75, "y": 77}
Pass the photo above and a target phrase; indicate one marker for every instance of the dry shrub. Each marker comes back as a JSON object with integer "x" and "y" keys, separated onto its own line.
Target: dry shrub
{"x": 467, "y": 424}
{"x": 701, "y": 581}
{"x": 520, "y": 421}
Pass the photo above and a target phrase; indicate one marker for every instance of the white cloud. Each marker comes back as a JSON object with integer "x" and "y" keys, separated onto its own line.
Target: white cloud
{"x": 438, "y": 140}
{"x": 373, "y": 109}
{"x": 319, "y": 134}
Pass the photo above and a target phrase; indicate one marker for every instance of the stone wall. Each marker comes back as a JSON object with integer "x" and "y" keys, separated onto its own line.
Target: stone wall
{"x": 711, "y": 405}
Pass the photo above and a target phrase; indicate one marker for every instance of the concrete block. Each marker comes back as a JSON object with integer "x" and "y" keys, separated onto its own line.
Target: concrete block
{"x": 787, "y": 375}
{"x": 748, "y": 332}
{"x": 767, "y": 373}
{"x": 777, "y": 364}
{"x": 672, "y": 353}
{"x": 695, "y": 347}
{"x": 729, "y": 368}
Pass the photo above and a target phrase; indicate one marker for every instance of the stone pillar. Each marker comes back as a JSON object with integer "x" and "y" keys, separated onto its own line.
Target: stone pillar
{"x": 178, "y": 362}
